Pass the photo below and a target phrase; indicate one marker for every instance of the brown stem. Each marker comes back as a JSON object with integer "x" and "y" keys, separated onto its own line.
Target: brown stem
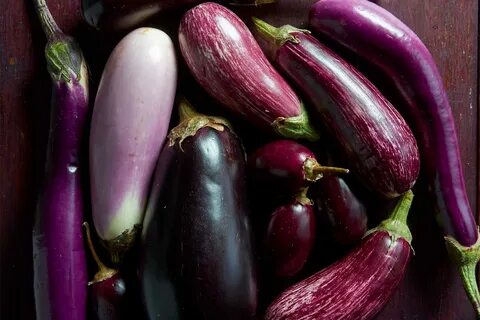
{"x": 314, "y": 170}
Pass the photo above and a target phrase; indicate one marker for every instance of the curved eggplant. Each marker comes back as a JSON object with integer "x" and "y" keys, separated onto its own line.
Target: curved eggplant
{"x": 197, "y": 260}
{"x": 371, "y": 134}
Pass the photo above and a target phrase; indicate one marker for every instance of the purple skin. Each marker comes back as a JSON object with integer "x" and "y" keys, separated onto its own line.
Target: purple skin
{"x": 285, "y": 166}
{"x": 225, "y": 59}
{"x": 290, "y": 236}
{"x": 382, "y": 39}
{"x": 360, "y": 284}
{"x": 370, "y": 133}
{"x": 60, "y": 269}
{"x": 345, "y": 214}
{"x": 123, "y": 14}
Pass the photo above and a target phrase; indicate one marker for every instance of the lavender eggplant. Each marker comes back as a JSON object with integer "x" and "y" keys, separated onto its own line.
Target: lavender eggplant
{"x": 226, "y": 60}
{"x": 338, "y": 205}
{"x": 60, "y": 270}
{"x": 285, "y": 167}
{"x": 123, "y": 14}
{"x": 197, "y": 259}
{"x": 380, "y": 38}
{"x": 291, "y": 235}
{"x": 357, "y": 286}
{"x": 371, "y": 134}
{"x": 129, "y": 126}
{"x": 108, "y": 288}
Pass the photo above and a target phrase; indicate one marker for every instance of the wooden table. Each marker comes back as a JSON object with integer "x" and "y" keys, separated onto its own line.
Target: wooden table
{"x": 432, "y": 288}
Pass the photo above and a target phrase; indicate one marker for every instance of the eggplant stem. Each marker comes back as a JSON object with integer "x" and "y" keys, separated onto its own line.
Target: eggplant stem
{"x": 256, "y": 3}
{"x": 314, "y": 171}
{"x": 466, "y": 260}
{"x": 186, "y": 111}
{"x": 49, "y": 26}
{"x": 301, "y": 197}
{"x": 296, "y": 127}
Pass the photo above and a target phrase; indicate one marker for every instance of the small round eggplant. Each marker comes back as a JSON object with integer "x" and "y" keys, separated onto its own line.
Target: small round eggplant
{"x": 291, "y": 236}
{"x": 108, "y": 289}
{"x": 345, "y": 214}
{"x": 285, "y": 167}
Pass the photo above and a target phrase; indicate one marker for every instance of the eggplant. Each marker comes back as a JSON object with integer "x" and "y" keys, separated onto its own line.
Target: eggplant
{"x": 291, "y": 235}
{"x": 197, "y": 260}
{"x": 285, "y": 167}
{"x": 59, "y": 260}
{"x": 339, "y": 206}
{"x": 357, "y": 286}
{"x": 227, "y": 62}
{"x": 108, "y": 288}
{"x": 383, "y": 40}
{"x": 129, "y": 126}
{"x": 122, "y": 14}
{"x": 371, "y": 135}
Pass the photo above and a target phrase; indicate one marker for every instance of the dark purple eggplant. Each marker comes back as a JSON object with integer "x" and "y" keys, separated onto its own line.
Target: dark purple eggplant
{"x": 285, "y": 167}
{"x": 372, "y": 136}
{"x": 360, "y": 284}
{"x": 107, "y": 289}
{"x": 337, "y": 204}
{"x": 387, "y": 43}
{"x": 290, "y": 236}
{"x": 124, "y": 14}
{"x": 59, "y": 261}
{"x": 197, "y": 260}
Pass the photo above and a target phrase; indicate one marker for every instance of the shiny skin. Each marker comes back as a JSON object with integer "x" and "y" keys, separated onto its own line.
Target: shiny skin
{"x": 109, "y": 298}
{"x": 382, "y": 39}
{"x": 197, "y": 260}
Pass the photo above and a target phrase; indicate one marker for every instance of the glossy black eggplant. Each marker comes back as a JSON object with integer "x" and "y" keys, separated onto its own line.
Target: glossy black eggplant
{"x": 197, "y": 260}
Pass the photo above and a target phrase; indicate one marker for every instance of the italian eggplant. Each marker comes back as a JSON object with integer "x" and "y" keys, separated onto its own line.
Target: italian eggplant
{"x": 387, "y": 43}
{"x": 129, "y": 126}
{"x": 225, "y": 59}
{"x": 371, "y": 134}
{"x": 197, "y": 260}
{"x": 59, "y": 261}
{"x": 357, "y": 286}
{"x": 285, "y": 167}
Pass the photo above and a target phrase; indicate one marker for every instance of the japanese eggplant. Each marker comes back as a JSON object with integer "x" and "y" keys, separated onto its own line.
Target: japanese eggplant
{"x": 197, "y": 260}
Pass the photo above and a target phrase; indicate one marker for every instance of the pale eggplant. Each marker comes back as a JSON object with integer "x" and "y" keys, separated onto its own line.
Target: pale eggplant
{"x": 129, "y": 126}
{"x": 225, "y": 59}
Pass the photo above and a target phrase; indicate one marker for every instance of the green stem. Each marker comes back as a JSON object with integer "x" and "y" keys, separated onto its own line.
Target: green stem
{"x": 298, "y": 127}
{"x": 302, "y": 197}
{"x": 314, "y": 170}
{"x": 466, "y": 260}
{"x": 49, "y": 26}
{"x": 186, "y": 111}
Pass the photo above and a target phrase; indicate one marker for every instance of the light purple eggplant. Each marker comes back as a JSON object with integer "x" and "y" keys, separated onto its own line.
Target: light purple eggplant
{"x": 225, "y": 59}
{"x": 129, "y": 126}
{"x": 60, "y": 269}
{"x": 383, "y": 40}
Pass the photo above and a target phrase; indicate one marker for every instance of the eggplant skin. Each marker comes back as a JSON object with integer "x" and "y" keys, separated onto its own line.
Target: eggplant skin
{"x": 354, "y": 288}
{"x": 197, "y": 260}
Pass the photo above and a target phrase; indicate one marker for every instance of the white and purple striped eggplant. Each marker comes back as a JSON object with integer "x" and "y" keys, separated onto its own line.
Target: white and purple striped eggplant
{"x": 129, "y": 126}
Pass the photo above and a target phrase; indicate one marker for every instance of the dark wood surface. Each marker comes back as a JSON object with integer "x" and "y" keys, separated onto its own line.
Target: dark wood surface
{"x": 431, "y": 290}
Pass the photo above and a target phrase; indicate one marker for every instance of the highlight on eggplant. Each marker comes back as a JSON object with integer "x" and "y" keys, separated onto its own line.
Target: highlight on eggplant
{"x": 380, "y": 38}
{"x": 59, "y": 261}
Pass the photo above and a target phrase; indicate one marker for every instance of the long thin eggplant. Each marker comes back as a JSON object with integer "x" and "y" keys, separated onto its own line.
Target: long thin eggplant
{"x": 123, "y": 14}
{"x": 129, "y": 126}
{"x": 357, "y": 286}
{"x": 382, "y": 39}
{"x": 60, "y": 269}
{"x": 197, "y": 260}
{"x": 226, "y": 60}
{"x": 373, "y": 137}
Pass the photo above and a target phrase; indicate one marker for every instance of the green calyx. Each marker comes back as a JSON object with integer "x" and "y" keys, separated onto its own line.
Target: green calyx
{"x": 396, "y": 223}
{"x": 298, "y": 127}
{"x": 64, "y": 60}
{"x": 466, "y": 260}
{"x": 119, "y": 246}
{"x": 314, "y": 171}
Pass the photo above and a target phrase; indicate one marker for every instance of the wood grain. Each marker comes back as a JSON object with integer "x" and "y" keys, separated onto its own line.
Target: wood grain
{"x": 432, "y": 288}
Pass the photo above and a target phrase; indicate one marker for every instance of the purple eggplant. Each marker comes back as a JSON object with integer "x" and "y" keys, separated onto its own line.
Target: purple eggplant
{"x": 226, "y": 60}
{"x": 60, "y": 269}
{"x": 197, "y": 260}
{"x": 108, "y": 288}
{"x": 129, "y": 126}
{"x": 357, "y": 286}
{"x": 290, "y": 236}
{"x": 387, "y": 43}
{"x": 337, "y": 204}
{"x": 285, "y": 167}
{"x": 123, "y": 14}
{"x": 372, "y": 136}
